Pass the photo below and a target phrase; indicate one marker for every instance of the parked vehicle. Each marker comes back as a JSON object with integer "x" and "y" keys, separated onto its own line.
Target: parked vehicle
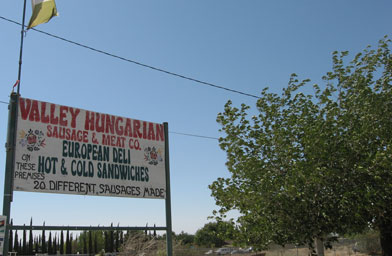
{"x": 223, "y": 251}
{"x": 249, "y": 249}
{"x": 209, "y": 252}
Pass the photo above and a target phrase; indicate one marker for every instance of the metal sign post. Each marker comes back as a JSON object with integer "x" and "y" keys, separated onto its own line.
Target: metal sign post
{"x": 169, "y": 244}
{"x": 11, "y": 140}
{"x": 9, "y": 166}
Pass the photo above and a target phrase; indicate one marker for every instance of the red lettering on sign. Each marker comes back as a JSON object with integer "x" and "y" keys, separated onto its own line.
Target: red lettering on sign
{"x": 36, "y": 111}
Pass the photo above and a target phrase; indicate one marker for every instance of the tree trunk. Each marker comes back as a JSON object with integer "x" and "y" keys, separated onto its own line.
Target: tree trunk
{"x": 319, "y": 246}
{"x": 386, "y": 237}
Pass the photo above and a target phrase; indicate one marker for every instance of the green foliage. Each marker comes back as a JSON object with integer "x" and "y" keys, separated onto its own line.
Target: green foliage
{"x": 61, "y": 242}
{"x": 213, "y": 234}
{"x": 68, "y": 241}
{"x": 367, "y": 242}
{"x": 43, "y": 245}
{"x": 309, "y": 165}
{"x": 185, "y": 238}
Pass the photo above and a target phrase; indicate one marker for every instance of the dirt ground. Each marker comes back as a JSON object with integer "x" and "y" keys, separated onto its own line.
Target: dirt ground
{"x": 338, "y": 251}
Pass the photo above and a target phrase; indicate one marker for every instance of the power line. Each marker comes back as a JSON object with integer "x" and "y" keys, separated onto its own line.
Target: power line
{"x": 143, "y": 65}
{"x": 136, "y": 62}
{"x": 194, "y": 135}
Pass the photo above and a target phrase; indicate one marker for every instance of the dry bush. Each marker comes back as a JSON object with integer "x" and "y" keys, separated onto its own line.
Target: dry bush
{"x": 139, "y": 244}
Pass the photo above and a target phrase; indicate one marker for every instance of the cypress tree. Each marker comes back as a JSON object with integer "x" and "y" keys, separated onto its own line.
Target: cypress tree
{"x": 117, "y": 238}
{"x": 43, "y": 241}
{"x": 24, "y": 243}
{"x": 121, "y": 238}
{"x": 39, "y": 242}
{"x": 36, "y": 245}
{"x": 10, "y": 240}
{"x": 90, "y": 243}
{"x": 62, "y": 243}
{"x": 96, "y": 242}
{"x": 84, "y": 242}
{"x": 67, "y": 244}
{"x": 30, "y": 251}
{"x": 70, "y": 244}
{"x": 55, "y": 244}
{"x": 106, "y": 235}
{"x": 75, "y": 248}
{"x": 111, "y": 240}
{"x": 16, "y": 246}
{"x": 50, "y": 248}
{"x": 20, "y": 246}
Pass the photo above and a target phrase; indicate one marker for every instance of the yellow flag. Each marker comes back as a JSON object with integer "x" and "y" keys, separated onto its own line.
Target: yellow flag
{"x": 43, "y": 11}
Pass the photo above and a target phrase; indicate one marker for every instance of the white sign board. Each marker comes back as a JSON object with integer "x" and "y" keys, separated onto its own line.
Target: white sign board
{"x": 68, "y": 150}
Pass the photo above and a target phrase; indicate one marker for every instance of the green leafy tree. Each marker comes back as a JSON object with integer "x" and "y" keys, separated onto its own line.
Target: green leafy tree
{"x": 364, "y": 89}
{"x": 213, "y": 234}
{"x": 308, "y": 165}
{"x": 185, "y": 239}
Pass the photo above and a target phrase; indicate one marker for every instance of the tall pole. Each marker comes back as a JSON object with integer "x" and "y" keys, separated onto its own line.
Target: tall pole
{"x": 11, "y": 142}
{"x": 9, "y": 167}
{"x": 21, "y": 47}
{"x": 169, "y": 243}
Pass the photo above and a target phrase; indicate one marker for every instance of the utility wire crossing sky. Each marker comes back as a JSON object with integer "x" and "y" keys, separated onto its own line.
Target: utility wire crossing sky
{"x": 133, "y": 61}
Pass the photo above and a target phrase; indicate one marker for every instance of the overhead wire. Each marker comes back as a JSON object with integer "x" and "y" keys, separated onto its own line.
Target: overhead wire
{"x": 136, "y": 62}
{"x": 194, "y": 135}
{"x": 140, "y": 64}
